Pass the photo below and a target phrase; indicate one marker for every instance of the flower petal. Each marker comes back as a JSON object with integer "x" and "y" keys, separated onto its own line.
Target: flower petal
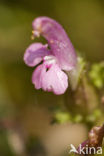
{"x": 55, "y": 80}
{"x": 51, "y": 80}
{"x": 37, "y": 75}
{"x": 35, "y": 53}
{"x": 58, "y": 41}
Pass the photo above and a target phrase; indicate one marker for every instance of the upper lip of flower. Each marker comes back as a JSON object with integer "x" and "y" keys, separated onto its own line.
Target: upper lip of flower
{"x": 58, "y": 41}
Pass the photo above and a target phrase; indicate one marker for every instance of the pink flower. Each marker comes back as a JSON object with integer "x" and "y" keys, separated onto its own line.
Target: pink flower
{"x": 58, "y": 57}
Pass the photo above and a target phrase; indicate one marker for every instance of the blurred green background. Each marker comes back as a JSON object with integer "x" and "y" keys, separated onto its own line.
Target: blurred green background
{"x": 25, "y": 114}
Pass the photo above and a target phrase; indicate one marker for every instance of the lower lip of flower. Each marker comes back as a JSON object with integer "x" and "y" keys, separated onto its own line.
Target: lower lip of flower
{"x": 49, "y": 60}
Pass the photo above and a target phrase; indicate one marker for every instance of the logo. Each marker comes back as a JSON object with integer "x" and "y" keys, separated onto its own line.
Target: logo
{"x": 85, "y": 150}
{"x": 73, "y": 149}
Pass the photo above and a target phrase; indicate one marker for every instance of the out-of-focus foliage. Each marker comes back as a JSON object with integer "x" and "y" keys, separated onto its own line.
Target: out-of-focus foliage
{"x": 97, "y": 75}
{"x": 62, "y": 117}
